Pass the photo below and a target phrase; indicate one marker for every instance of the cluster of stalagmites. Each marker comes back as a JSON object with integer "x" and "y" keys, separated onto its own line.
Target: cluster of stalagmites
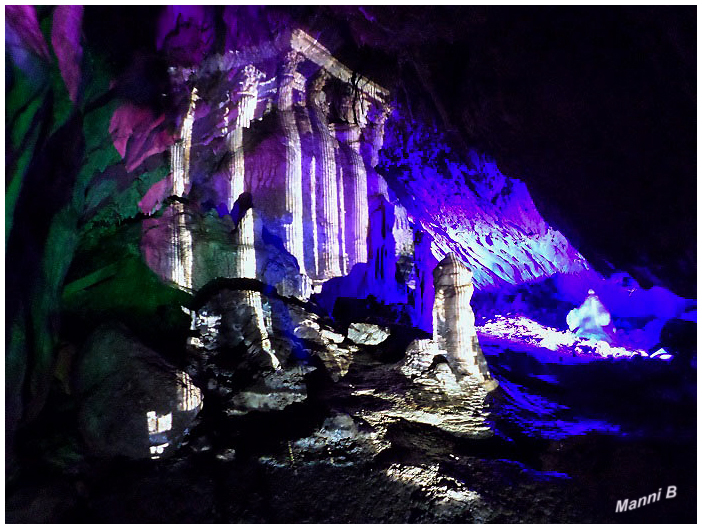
{"x": 284, "y": 144}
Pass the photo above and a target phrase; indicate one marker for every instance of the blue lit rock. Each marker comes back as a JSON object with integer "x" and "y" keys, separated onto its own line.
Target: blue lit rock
{"x": 590, "y": 319}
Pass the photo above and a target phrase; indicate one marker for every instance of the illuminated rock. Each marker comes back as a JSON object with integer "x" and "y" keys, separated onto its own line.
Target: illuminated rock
{"x": 293, "y": 214}
{"x": 590, "y": 319}
{"x": 374, "y": 133}
{"x": 261, "y": 358}
{"x": 454, "y": 321}
{"x": 181, "y": 238}
{"x": 367, "y": 333}
{"x": 295, "y": 145}
{"x": 132, "y": 402}
{"x": 355, "y": 178}
{"x": 327, "y": 202}
{"x": 245, "y": 100}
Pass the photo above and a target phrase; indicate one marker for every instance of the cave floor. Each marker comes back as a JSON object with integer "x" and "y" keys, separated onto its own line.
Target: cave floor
{"x": 554, "y": 443}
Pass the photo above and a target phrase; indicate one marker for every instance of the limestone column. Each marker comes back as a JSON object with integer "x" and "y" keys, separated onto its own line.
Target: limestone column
{"x": 454, "y": 321}
{"x": 181, "y": 239}
{"x": 292, "y": 216}
{"x": 373, "y": 136}
{"x": 349, "y": 133}
{"x": 309, "y": 155}
{"x": 245, "y": 99}
{"x": 326, "y": 177}
{"x": 343, "y": 254}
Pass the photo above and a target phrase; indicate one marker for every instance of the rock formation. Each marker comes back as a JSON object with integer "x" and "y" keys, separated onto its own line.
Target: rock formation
{"x": 317, "y": 203}
{"x": 454, "y": 322}
{"x": 132, "y": 402}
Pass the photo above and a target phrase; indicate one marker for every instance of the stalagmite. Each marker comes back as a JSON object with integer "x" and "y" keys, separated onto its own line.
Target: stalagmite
{"x": 181, "y": 239}
{"x": 327, "y": 189}
{"x": 293, "y": 215}
{"x": 454, "y": 321}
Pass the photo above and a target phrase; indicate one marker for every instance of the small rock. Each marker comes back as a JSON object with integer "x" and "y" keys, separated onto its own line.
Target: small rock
{"x": 367, "y": 333}
{"x": 332, "y": 336}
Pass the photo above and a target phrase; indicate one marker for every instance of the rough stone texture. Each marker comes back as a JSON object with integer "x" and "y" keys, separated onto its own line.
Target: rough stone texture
{"x": 65, "y": 39}
{"x": 454, "y": 321}
{"x": 367, "y": 333}
{"x": 241, "y": 345}
{"x": 119, "y": 382}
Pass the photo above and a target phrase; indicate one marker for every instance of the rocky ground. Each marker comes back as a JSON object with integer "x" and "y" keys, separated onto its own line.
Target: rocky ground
{"x": 357, "y": 423}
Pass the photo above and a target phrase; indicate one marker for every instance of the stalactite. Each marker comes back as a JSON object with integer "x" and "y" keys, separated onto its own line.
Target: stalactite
{"x": 424, "y": 263}
{"x": 402, "y": 232}
{"x": 292, "y": 220}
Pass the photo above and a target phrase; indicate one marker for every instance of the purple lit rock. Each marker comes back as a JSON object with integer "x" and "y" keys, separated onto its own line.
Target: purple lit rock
{"x": 24, "y": 41}
{"x": 22, "y": 21}
{"x": 65, "y": 38}
{"x": 138, "y": 134}
{"x": 186, "y": 33}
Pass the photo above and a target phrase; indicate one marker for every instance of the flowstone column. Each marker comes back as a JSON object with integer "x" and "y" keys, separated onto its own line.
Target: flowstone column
{"x": 454, "y": 321}
{"x": 354, "y": 111}
{"x": 245, "y": 99}
{"x": 373, "y": 136}
{"x": 181, "y": 239}
{"x": 292, "y": 218}
{"x": 327, "y": 190}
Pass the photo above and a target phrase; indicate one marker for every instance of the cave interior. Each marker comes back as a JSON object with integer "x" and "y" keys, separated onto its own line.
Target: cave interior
{"x": 350, "y": 264}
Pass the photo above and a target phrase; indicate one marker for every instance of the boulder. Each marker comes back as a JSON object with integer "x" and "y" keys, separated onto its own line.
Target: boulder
{"x": 367, "y": 333}
{"x": 131, "y": 401}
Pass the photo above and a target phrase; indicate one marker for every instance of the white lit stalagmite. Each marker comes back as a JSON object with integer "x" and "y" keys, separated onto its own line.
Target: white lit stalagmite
{"x": 327, "y": 189}
{"x": 454, "y": 321}
{"x": 181, "y": 239}
{"x": 353, "y": 109}
{"x": 293, "y": 215}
